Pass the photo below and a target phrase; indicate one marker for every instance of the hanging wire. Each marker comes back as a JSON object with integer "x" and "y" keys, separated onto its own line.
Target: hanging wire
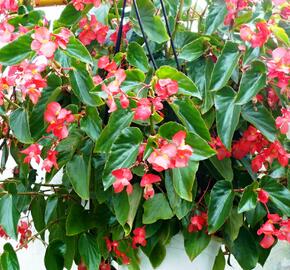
{"x": 120, "y": 32}
{"x": 144, "y": 35}
{"x": 169, "y": 34}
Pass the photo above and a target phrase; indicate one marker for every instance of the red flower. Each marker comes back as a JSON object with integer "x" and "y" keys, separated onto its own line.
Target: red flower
{"x": 197, "y": 222}
{"x": 143, "y": 110}
{"x": 80, "y": 4}
{"x": 139, "y": 237}
{"x": 146, "y": 182}
{"x": 233, "y": 7}
{"x": 7, "y": 6}
{"x": 263, "y": 196}
{"x": 32, "y": 152}
{"x": 267, "y": 241}
{"x": 25, "y": 233}
{"x": 105, "y": 63}
{"x": 123, "y": 177}
{"x": 104, "y": 266}
{"x": 283, "y": 122}
{"x": 42, "y": 42}
{"x": 3, "y": 233}
{"x": 125, "y": 30}
{"x": 62, "y": 38}
{"x": 82, "y": 266}
{"x": 165, "y": 88}
{"x": 272, "y": 98}
{"x": 50, "y": 161}
{"x": 222, "y": 151}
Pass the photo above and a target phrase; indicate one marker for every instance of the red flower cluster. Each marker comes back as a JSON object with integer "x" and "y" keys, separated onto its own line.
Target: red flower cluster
{"x": 80, "y": 4}
{"x": 6, "y": 32}
{"x": 272, "y": 98}
{"x": 253, "y": 142}
{"x": 283, "y": 122}
{"x": 25, "y": 233}
{"x": 50, "y": 161}
{"x": 164, "y": 88}
{"x": 171, "y": 155}
{"x": 123, "y": 177}
{"x": 258, "y": 38}
{"x": 279, "y": 67}
{"x": 7, "y": 6}
{"x": 146, "y": 182}
{"x": 46, "y": 43}
{"x": 112, "y": 246}
{"x": 197, "y": 222}
{"x": 104, "y": 266}
{"x": 139, "y": 237}
{"x": 218, "y": 146}
{"x": 92, "y": 30}
{"x": 233, "y": 8}
{"x": 3, "y": 233}
{"x": 126, "y": 28}
{"x": 58, "y": 120}
{"x": 263, "y": 196}
{"x": 275, "y": 226}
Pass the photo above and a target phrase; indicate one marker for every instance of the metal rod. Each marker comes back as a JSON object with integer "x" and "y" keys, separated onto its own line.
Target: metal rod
{"x": 144, "y": 35}
{"x": 169, "y": 34}
{"x": 120, "y": 32}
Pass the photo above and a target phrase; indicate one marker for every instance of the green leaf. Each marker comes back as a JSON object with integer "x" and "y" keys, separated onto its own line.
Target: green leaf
{"x": 37, "y": 207}
{"x": 256, "y": 215}
{"x": 9, "y": 216}
{"x": 121, "y": 207}
{"x": 224, "y": 66}
{"x": 195, "y": 243}
{"x": 50, "y": 210}
{"x": 28, "y": 19}
{"x": 220, "y": 205}
{"x": 251, "y": 54}
{"x": 123, "y": 155}
{"x": 245, "y": 250}
{"x": 156, "y": 208}
{"x": 79, "y": 220}
{"x": 249, "y": 198}
{"x": 280, "y": 34}
{"x": 224, "y": 167}
{"x": 78, "y": 170}
{"x": 219, "y": 262}
{"x": 185, "y": 85}
{"x": 137, "y": 57}
{"x": 183, "y": 180}
{"x": 233, "y": 225}
{"x": 278, "y": 194}
{"x": 19, "y": 125}
{"x": 216, "y": 15}
{"x": 9, "y": 259}
{"x": 261, "y": 118}
{"x": 78, "y": 51}
{"x": 193, "y": 50}
{"x": 253, "y": 80}
{"x": 16, "y": 51}
{"x": 82, "y": 83}
{"x": 118, "y": 121}
{"x": 152, "y": 24}
{"x": 89, "y": 251}
{"x": 54, "y": 255}
{"x": 92, "y": 123}
{"x": 70, "y": 243}
{"x": 157, "y": 255}
{"x": 190, "y": 117}
{"x": 169, "y": 129}
{"x": 227, "y": 114}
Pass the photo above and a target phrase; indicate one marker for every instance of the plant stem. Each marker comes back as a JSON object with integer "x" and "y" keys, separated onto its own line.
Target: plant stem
{"x": 11, "y": 102}
{"x": 178, "y": 16}
{"x": 116, "y": 11}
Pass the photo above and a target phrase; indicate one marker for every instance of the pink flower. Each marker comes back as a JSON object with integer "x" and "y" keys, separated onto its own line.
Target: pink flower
{"x": 165, "y": 88}
{"x": 42, "y": 42}
{"x": 146, "y": 182}
{"x": 32, "y": 152}
{"x": 283, "y": 122}
{"x": 246, "y": 33}
{"x": 139, "y": 237}
{"x": 80, "y": 4}
{"x": 197, "y": 222}
{"x": 7, "y": 6}
{"x": 105, "y": 63}
{"x": 50, "y": 161}
{"x": 123, "y": 177}
{"x": 263, "y": 196}
{"x": 62, "y": 38}
{"x": 143, "y": 110}
{"x": 125, "y": 30}
{"x": 6, "y": 32}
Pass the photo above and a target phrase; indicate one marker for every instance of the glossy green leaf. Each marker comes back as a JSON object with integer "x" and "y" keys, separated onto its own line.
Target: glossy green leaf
{"x": 78, "y": 170}
{"x": 50, "y": 209}
{"x": 193, "y": 50}
{"x": 278, "y": 194}
{"x": 185, "y": 85}
{"x": 280, "y": 34}
{"x": 136, "y": 56}
{"x": 253, "y": 80}
{"x": 79, "y": 220}
{"x": 19, "y": 125}
{"x": 256, "y": 215}
{"x": 156, "y": 208}
{"x": 245, "y": 250}
{"x": 118, "y": 121}
{"x": 123, "y": 155}
{"x": 224, "y": 167}
{"x": 220, "y": 261}
{"x": 261, "y": 118}
{"x": 249, "y": 198}
{"x": 37, "y": 207}
{"x": 157, "y": 255}
{"x": 92, "y": 123}
{"x": 224, "y": 66}
{"x": 183, "y": 180}
{"x": 54, "y": 255}
{"x": 190, "y": 117}
{"x": 9, "y": 216}
{"x": 78, "y": 51}
{"x": 152, "y": 24}
{"x": 195, "y": 243}
{"x": 227, "y": 114}
{"x": 169, "y": 129}
{"x": 9, "y": 260}
{"x": 28, "y": 19}
{"x": 121, "y": 207}
{"x": 89, "y": 251}
{"x": 16, "y": 51}
{"x": 220, "y": 205}
{"x": 233, "y": 225}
